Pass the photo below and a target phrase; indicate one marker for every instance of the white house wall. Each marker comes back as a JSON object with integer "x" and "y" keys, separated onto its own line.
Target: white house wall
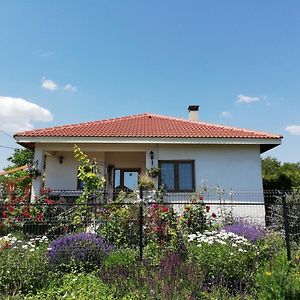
{"x": 236, "y": 167}
{"x": 63, "y": 176}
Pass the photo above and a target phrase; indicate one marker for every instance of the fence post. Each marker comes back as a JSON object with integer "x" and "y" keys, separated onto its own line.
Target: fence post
{"x": 286, "y": 226}
{"x": 141, "y": 223}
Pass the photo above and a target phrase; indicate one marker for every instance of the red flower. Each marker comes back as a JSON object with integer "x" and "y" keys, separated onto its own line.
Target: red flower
{"x": 26, "y": 213}
{"x": 39, "y": 217}
{"x": 164, "y": 209}
{"x": 49, "y": 201}
{"x": 11, "y": 208}
{"x": 213, "y": 215}
{"x": 207, "y": 208}
{"x": 201, "y": 197}
{"x": 4, "y": 214}
{"x": 154, "y": 206}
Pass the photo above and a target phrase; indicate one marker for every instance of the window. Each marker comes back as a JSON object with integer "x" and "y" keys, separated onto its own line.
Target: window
{"x": 177, "y": 176}
{"x": 126, "y": 179}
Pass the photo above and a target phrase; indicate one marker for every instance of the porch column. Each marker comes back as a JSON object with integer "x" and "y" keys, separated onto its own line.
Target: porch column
{"x": 152, "y": 163}
{"x": 37, "y": 183}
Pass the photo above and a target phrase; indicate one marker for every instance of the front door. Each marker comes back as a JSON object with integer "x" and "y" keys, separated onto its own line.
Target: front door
{"x": 126, "y": 179}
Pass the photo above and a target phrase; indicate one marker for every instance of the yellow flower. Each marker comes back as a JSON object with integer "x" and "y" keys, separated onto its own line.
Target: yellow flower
{"x": 268, "y": 273}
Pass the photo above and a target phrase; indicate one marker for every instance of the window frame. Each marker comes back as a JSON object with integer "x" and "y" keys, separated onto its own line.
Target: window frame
{"x": 176, "y": 174}
{"x": 122, "y": 171}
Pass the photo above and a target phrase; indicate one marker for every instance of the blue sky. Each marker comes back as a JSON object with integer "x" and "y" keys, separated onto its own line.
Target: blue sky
{"x": 88, "y": 60}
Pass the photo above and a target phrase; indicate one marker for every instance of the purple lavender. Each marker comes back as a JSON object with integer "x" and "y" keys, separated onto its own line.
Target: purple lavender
{"x": 78, "y": 248}
{"x": 170, "y": 264}
{"x": 251, "y": 232}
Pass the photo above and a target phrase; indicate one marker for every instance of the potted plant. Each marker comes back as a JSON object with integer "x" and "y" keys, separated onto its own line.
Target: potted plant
{"x": 153, "y": 172}
{"x": 34, "y": 172}
{"x": 146, "y": 182}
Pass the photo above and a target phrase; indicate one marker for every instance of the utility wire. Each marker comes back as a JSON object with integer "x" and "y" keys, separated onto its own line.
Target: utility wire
{"x": 1, "y": 146}
{"x": 6, "y": 133}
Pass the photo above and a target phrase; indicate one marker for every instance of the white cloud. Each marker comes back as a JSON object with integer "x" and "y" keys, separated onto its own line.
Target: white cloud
{"x": 48, "y": 84}
{"x": 247, "y": 99}
{"x": 293, "y": 129}
{"x": 226, "y": 114}
{"x": 70, "y": 88}
{"x": 17, "y": 114}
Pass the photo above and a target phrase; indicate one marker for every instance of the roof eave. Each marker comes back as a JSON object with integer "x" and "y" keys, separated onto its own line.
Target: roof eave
{"x": 266, "y": 143}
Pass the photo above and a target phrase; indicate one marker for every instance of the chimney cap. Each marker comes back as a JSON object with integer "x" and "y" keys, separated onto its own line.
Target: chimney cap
{"x": 193, "y": 108}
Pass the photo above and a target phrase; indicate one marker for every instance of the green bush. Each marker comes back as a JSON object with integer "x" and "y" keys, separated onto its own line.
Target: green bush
{"x": 125, "y": 258}
{"x": 118, "y": 224}
{"x": 22, "y": 269}
{"x": 225, "y": 259}
{"x": 277, "y": 280}
{"x": 80, "y": 286}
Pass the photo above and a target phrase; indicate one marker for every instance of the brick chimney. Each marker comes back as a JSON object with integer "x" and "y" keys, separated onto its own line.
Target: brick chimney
{"x": 193, "y": 112}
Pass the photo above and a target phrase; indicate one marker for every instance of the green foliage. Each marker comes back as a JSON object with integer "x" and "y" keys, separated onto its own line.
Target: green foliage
{"x": 21, "y": 157}
{"x": 118, "y": 224}
{"x": 22, "y": 270}
{"x": 225, "y": 265}
{"x": 277, "y": 175}
{"x": 75, "y": 286}
{"x": 153, "y": 172}
{"x": 278, "y": 281}
{"x": 194, "y": 217}
{"x": 120, "y": 268}
{"x": 146, "y": 182}
{"x": 88, "y": 173}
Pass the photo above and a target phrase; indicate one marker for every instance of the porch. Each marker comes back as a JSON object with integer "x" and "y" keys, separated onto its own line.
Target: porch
{"x": 120, "y": 165}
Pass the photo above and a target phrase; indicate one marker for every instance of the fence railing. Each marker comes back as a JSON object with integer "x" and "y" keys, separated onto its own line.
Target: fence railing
{"x": 131, "y": 219}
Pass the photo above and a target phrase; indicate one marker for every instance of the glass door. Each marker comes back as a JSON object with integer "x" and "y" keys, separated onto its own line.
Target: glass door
{"x": 126, "y": 179}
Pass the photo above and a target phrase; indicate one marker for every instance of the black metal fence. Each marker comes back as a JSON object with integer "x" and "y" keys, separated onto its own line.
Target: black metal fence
{"x": 131, "y": 219}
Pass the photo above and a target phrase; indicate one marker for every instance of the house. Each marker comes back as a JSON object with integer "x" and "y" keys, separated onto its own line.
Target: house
{"x": 188, "y": 152}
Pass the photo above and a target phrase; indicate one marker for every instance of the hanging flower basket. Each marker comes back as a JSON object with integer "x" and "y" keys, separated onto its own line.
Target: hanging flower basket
{"x": 34, "y": 172}
{"x": 153, "y": 172}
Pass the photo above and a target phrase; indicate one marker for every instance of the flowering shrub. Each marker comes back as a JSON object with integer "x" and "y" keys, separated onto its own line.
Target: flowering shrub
{"x": 81, "y": 249}
{"x": 250, "y": 231}
{"x": 31, "y": 217}
{"x": 118, "y": 224}
{"x": 161, "y": 223}
{"x": 23, "y": 265}
{"x": 196, "y": 216}
{"x": 225, "y": 258}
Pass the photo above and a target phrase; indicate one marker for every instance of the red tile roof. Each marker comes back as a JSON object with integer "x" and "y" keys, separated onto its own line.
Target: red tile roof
{"x": 147, "y": 126}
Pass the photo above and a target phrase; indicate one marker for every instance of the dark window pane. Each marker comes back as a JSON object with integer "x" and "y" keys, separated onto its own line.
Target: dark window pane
{"x": 167, "y": 175}
{"x": 185, "y": 173}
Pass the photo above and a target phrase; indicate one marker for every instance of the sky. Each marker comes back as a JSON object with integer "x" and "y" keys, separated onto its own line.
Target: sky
{"x": 64, "y": 62}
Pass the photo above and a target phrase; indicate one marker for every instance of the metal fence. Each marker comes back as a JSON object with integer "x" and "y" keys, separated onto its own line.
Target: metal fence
{"x": 128, "y": 219}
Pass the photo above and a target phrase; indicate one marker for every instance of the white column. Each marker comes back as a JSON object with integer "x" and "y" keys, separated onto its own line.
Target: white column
{"x": 149, "y": 162}
{"x": 37, "y": 183}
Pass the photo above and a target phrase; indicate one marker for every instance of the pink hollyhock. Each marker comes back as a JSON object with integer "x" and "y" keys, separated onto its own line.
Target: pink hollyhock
{"x": 213, "y": 215}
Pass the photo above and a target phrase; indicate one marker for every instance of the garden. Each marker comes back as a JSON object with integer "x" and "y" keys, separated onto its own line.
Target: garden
{"x": 92, "y": 249}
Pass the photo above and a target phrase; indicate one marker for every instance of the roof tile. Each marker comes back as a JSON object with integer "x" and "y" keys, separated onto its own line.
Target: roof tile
{"x": 147, "y": 126}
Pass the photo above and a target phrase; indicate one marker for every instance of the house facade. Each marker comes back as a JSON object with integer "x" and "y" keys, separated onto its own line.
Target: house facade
{"x": 190, "y": 153}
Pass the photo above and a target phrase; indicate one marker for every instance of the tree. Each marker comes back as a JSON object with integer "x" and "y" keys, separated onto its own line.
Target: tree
{"x": 21, "y": 157}
{"x": 280, "y": 176}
